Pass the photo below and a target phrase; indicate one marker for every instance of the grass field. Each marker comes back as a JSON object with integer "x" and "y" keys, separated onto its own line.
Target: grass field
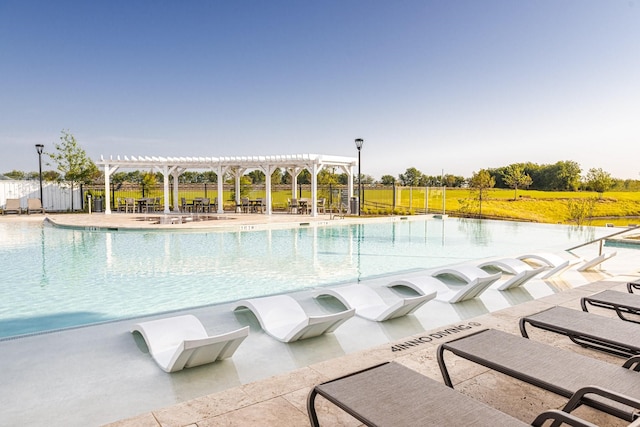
{"x": 582, "y": 208}
{"x": 586, "y": 208}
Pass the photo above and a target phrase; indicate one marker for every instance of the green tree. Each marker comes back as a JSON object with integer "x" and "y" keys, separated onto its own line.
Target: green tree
{"x": 453, "y": 181}
{"x": 515, "y": 177}
{"x": 50, "y": 175}
{"x": 149, "y": 180}
{"x": 257, "y": 176}
{"x": 387, "y": 180}
{"x": 410, "y": 178}
{"x": 482, "y": 181}
{"x": 188, "y": 177}
{"x": 72, "y": 162}
{"x": 563, "y": 176}
{"x": 209, "y": 176}
{"x": 276, "y": 176}
{"x": 599, "y": 180}
{"x": 304, "y": 177}
{"x": 15, "y": 174}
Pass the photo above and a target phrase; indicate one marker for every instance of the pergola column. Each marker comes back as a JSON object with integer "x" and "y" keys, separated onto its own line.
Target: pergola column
{"x": 268, "y": 171}
{"x": 220, "y": 172}
{"x": 314, "y": 189}
{"x": 107, "y": 183}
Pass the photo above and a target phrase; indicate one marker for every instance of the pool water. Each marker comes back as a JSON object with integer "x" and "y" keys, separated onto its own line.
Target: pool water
{"x": 56, "y": 278}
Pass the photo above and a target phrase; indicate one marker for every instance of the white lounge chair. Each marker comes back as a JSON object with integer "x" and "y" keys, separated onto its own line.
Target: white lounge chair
{"x": 182, "y": 342}
{"x": 470, "y": 281}
{"x": 283, "y": 318}
{"x": 446, "y": 291}
{"x": 556, "y": 264}
{"x": 590, "y": 264}
{"x": 520, "y": 271}
{"x": 369, "y": 304}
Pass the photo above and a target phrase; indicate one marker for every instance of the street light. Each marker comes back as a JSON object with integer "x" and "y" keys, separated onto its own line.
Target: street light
{"x": 359, "y": 142}
{"x": 39, "y": 148}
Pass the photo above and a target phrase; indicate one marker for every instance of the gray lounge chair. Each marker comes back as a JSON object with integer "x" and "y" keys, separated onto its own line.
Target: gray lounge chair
{"x": 559, "y": 371}
{"x": 587, "y": 329}
{"x": 393, "y": 395}
{"x": 635, "y": 285}
{"x": 624, "y": 304}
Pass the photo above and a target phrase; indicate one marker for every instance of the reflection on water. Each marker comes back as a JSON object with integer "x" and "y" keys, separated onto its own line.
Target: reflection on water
{"x": 57, "y": 273}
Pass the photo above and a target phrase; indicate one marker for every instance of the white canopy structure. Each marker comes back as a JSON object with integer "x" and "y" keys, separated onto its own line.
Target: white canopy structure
{"x": 236, "y": 166}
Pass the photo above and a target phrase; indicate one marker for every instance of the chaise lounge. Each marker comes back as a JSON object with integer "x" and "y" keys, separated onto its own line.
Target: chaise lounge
{"x": 370, "y": 305}
{"x": 284, "y": 319}
{"x": 587, "y": 329}
{"x": 592, "y": 263}
{"x": 447, "y": 291}
{"x": 520, "y": 271}
{"x": 182, "y": 342}
{"x": 559, "y": 371}
{"x": 34, "y": 205}
{"x": 624, "y": 304}
{"x": 12, "y": 206}
{"x": 555, "y": 263}
{"x": 393, "y": 395}
{"x": 463, "y": 282}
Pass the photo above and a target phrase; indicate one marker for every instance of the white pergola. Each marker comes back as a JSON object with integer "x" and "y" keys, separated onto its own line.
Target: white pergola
{"x": 235, "y": 166}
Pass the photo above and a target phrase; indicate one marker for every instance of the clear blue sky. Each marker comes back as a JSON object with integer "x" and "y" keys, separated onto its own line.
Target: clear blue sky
{"x": 448, "y": 85}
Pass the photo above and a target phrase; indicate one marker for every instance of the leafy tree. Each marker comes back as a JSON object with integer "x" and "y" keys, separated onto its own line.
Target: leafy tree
{"x": 119, "y": 177}
{"x": 276, "y": 176}
{"x": 562, "y": 176}
{"x": 453, "y": 181}
{"x": 387, "y": 180}
{"x": 50, "y": 175}
{"x": 188, "y": 177}
{"x": 256, "y": 176}
{"x": 481, "y": 181}
{"x": 599, "y": 180}
{"x": 304, "y": 177}
{"x": 515, "y": 177}
{"x": 149, "y": 180}
{"x": 343, "y": 179}
{"x": 367, "y": 179}
{"x": 209, "y": 176}
{"x": 15, "y": 174}
{"x": 327, "y": 177}
{"x": 72, "y": 162}
{"x": 410, "y": 178}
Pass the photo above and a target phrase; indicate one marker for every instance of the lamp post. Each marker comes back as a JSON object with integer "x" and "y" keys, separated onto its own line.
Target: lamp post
{"x": 359, "y": 142}
{"x": 39, "y": 148}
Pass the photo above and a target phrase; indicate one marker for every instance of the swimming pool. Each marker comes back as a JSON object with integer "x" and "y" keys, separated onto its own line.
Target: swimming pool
{"x": 56, "y": 278}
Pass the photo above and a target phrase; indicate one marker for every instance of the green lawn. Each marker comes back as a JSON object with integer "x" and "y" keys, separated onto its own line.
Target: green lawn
{"x": 618, "y": 208}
